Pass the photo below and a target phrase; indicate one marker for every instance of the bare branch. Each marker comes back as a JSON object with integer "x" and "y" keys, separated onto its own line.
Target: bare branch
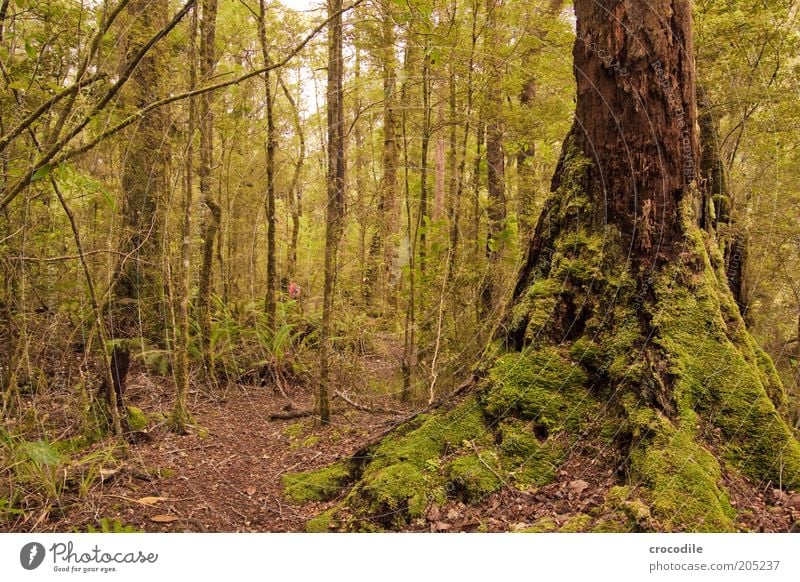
{"x": 49, "y": 158}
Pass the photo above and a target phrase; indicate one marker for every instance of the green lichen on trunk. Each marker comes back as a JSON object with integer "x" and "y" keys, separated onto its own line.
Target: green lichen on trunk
{"x": 595, "y": 351}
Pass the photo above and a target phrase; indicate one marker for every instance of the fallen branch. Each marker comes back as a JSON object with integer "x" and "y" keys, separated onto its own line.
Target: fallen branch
{"x": 364, "y": 408}
{"x": 289, "y": 414}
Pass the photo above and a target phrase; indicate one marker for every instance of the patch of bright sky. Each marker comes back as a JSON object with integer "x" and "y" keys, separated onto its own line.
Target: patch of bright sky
{"x": 303, "y": 5}
{"x": 309, "y": 97}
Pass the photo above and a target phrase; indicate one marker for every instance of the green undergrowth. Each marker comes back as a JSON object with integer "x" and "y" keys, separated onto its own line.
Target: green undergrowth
{"x": 44, "y": 474}
{"x": 656, "y": 368}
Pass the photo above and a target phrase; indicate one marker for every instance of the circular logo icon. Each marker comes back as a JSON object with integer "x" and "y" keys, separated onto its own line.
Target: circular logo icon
{"x": 31, "y": 555}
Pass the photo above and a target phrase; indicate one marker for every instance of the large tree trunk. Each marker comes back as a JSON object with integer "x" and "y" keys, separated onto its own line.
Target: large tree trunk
{"x": 138, "y": 281}
{"x": 143, "y": 185}
{"x": 622, "y": 344}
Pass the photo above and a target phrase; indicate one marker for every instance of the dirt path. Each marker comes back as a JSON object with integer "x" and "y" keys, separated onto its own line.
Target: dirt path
{"x": 227, "y": 476}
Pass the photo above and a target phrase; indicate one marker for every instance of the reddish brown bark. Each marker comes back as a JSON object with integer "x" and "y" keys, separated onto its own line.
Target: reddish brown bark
{"x": 636, "y": 115}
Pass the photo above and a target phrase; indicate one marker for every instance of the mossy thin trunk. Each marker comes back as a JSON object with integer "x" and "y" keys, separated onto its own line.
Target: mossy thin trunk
{"x": 334, "y": 212}
{"x": 382, "y": 245}
{"x": 270, "y": 299}
{"x": 213, "y": 218}
{"x": 181, "y": 417}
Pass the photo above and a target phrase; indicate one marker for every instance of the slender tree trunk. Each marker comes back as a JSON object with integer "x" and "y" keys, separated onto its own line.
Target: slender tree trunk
{"x": 408, "y": 362}
{"x": 424, "y": 213}
{"x": 495, "y": 162}
{"x": 213, "y": 220}
{"x": 716, "y": 210}
{"x": 458, "y": 184}
{"x": 270, "y": 301}
{"x": 180, "y": 412}
{"x": 294, "y": 193}
{"x": 362, "y": 209}
{"x": 477, "y": 163}
{"x": 525, "y": 170}
{"x": 383, "y": 245}
{"x": 334, "y": 212}
{"x": 440, "y": 174}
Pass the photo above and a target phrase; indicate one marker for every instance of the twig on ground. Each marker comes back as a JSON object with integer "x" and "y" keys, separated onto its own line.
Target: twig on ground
{"x": 363, "y": 408}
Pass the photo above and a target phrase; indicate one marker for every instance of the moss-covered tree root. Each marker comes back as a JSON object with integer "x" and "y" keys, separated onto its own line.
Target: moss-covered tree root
{"x": 650, "y": 359}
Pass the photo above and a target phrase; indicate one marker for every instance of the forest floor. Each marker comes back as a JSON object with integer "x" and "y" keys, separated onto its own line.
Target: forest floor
{"x": 226, "y": 477}
{"x": 226, "y": 474}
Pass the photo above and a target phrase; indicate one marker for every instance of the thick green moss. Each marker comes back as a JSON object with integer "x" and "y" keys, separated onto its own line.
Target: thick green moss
{"x": 534, "y": 312}
{"x": 622, "y": 512}
{"x": 137, "y": 420}
{"x": 720, "y": 372}
{"x": 403, "y": 476}
{"x": 542, "y": 525}
{"x": 577, "y": 523}
{"x": 395, "y": 494}
{"x": 319, "y": 485}
{"x": 539, "y": 385}
{"x": 473, "y": 477}
{"x": 529, "y": 461}
{"x": 432, "y": 435}
{"x": 322, "y": 523}
{"x": 682, "y": 480}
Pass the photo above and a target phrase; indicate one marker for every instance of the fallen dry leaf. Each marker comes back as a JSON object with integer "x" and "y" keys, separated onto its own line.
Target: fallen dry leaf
{"x": 250, "y": 491}
{"x": 151, "y": 500}
{"x": 433, "y": 513}
{"x": 164, "y": 518}
{"x": 107, "y": 473}
{"x": 578, "y": 486}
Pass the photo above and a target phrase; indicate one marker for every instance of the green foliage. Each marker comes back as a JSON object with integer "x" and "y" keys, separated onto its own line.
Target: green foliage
{"x": 322, "y": 523}
{"x": 106, "y": 525}
{"x": 241, "y": 340}
{"x": 48, "y": 470}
